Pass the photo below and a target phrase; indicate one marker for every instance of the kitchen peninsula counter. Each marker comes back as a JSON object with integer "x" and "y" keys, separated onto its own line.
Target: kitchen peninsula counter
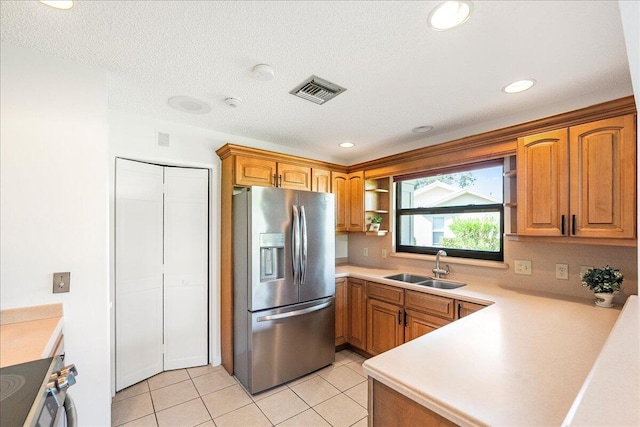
{"x": 29, "y": 333}
{"x": 520, "y": 361}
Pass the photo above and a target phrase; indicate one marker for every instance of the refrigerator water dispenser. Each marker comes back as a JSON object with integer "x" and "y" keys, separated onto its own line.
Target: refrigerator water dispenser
{"x": 271, "y": 256}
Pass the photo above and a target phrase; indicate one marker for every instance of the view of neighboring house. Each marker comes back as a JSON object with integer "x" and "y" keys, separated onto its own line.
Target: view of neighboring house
{"x": 429, "y": 230}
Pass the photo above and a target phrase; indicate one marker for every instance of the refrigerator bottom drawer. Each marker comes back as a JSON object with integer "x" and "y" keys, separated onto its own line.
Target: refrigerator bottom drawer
{"x": 288, "y": 343}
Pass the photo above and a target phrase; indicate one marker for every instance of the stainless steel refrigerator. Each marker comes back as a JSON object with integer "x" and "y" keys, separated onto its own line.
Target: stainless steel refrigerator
{"x": 284, "y": 285}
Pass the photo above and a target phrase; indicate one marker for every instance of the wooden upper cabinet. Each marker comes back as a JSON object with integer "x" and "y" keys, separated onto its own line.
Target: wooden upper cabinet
{"x": 294, "y": 176}
{"x": 603, "y": 178}
{"x": 253, "y": 171}
{"x": 339, "y": 188}
{"x": 321, "y": 180}
{"x": 356, "y": 201}
{"x": 543, "y": 184}
{"x": 579, "y": 181}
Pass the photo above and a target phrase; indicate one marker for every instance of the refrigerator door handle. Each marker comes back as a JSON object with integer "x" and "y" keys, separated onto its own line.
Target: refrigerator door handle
{"x": 303, "y": 248}
{"x": 295, "y": 245}
{"x": 294, "y": 313}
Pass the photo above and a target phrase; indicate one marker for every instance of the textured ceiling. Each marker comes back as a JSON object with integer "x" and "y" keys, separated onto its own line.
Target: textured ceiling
{"x": 398, "y": 73}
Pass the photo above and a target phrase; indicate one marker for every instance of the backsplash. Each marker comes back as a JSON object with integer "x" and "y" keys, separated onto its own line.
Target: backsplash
{"x": 543, "y": 257}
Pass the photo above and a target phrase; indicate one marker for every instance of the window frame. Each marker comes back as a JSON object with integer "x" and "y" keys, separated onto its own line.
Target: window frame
{"x": 454, "y": 252}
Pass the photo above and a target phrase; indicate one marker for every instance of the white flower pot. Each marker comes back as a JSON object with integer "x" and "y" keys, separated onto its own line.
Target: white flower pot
{"x": 604, "y": 299}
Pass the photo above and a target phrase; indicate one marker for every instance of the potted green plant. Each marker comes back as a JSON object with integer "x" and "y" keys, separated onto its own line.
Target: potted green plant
{"x": 604, "y": 282}
{"x": 375, "y": 223}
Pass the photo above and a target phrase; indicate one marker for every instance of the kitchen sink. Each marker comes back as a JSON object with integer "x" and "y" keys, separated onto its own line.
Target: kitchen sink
{"x": 408, "y": 278}
{"x": 441, "y": 284}
{"x": 424, "y": 281}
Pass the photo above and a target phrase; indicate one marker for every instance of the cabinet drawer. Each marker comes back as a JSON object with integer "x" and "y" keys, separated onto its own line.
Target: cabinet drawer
{"x": 440, "y": 306}
{"x": 385, "y": 293}
{"x": 466, "y": 308}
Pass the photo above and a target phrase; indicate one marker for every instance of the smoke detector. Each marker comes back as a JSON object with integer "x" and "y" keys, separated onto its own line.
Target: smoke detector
{"x": 233, "y": 102}
{"x": 317, "y": 90}
{"x": 263, "y": 72}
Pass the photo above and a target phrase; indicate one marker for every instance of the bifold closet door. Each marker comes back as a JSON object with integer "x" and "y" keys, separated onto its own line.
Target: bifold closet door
{"x": 186, "y": 212}
{"x": 161, "y": 269}
{"x": 138, "y": 279}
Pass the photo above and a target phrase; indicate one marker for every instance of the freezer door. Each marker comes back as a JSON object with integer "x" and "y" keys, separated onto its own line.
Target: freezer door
{"x": 317, "y": 275}
{"x": 271, "y": 269}
{"x": 290, "y": 342}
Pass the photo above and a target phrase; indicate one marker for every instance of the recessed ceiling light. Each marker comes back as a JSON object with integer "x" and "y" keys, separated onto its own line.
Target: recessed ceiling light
{"x": 519, "y": 86}
{"x": 422, "y": 129}
{"x": 186, "y": 104}
{"x": 263, "y": 72}
{"x": 449, "y": 14}
{"x": 58, "y": 4}
{"x": 347, "y": 144}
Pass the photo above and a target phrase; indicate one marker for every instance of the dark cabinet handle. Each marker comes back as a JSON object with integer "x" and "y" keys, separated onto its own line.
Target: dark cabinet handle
{"x": 275, "y": 181}
{"x": 405, "y": 319}
{"x": 399, "y": 317}
{"x": 279, "y": 180}
{"x": 573, "y": 225}
{"x": 562, "y": 227}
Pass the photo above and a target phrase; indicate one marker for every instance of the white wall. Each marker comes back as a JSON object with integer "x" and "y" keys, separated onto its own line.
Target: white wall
{"x": 53, "y": 207}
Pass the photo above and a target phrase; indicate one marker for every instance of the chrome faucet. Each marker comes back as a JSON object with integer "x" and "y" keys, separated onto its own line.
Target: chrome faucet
{"x": 439, "y": 271}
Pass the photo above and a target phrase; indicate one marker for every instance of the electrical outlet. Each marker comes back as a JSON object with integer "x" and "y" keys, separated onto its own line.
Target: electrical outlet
{"x": 383, "y": 253}
{"x": 522, "y": 267}
{"x": 562, "y": 271}
{"x": 584, "y": 269}
{"x": 61, "y": 282}
{"x": 365, "y": 251}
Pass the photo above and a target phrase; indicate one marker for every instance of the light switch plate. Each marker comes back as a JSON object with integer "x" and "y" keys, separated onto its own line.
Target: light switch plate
{"x": 522, "y": 267}
{"x": 61, "y": 282}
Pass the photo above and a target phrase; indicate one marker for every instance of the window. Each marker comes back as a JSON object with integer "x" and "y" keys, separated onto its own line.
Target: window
{"x": 459, "y": 210}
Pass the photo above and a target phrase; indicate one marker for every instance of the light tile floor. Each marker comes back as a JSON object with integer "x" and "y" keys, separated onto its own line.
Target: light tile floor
{"x": 208, "y": 396}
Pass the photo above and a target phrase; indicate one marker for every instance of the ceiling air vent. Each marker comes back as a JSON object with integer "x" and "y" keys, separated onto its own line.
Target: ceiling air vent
{"x": 317, "y": 90}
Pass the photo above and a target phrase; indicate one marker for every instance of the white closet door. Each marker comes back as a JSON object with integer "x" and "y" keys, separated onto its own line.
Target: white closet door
{"x": 138, "y": 279}
{"x": 186, "y": 267}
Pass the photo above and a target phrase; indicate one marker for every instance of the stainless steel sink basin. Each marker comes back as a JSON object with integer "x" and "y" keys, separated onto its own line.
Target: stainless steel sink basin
{"x": 424, "y": 281}
{"x": 441, "y": 284}
{"x": 408, "y": 278}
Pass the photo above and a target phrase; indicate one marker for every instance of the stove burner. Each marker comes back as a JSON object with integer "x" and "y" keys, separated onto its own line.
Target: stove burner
{"x": 9, "y": 384}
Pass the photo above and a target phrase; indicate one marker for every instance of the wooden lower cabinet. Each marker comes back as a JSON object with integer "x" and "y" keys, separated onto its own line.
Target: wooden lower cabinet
{"x": 357, "y": 318}
{"x": 386, "y": 326}
{"x": 467, "y": 308}
{"x": 419, "y": 323}
{"x": 387, "y": 407}
{"x": 342, "y": 311}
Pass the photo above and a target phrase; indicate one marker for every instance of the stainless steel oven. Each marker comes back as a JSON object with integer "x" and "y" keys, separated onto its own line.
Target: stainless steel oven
{"x": 36, "y": 394}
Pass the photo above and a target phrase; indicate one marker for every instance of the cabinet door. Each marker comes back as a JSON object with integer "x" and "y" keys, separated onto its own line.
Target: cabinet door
{"x": 294, "y": 177}
{"x": 357, "y": 319}
{"x": 341, "y": 311}
{"x": 339, "y": 187}
{"x": 467, "y": 308}
{"x": 251, "y": 171}
{"x": 418, "y": 324}
{"x": 321, "y": 180}
{"x": 543, "y": 184}
{"x": 386, "y": 326}
{"x": 356, "y": 201}
{"x": 603, "y": 178}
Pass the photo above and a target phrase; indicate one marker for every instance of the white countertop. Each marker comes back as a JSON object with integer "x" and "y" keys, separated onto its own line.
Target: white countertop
{"x": 520, "y": 361}
{"x": 610, "y": 395}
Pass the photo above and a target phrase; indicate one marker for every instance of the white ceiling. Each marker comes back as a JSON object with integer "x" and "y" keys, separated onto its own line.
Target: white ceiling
{"x": 398, "y": 73}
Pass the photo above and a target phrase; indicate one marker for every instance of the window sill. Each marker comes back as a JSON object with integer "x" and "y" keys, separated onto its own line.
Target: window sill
{"x": 452, "y": 260}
